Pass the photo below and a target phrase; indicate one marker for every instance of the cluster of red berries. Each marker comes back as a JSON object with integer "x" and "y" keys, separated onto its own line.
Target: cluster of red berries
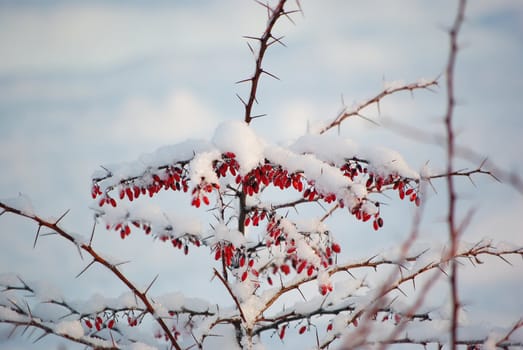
{"x": 325, "y": 288}
{"x": 175, "y": 177}
{"x": 276, "y": 235}
{"x": 255, "y": 216}
{"x": 172, "y": 177}
{"x": 226, "y": 250}
{"x": 98, "y": 323}
{"x": 174, "y": 330}
{"x": 249, "y": 269}
{"x": 360, "y": 214}
{"x": 200, "y": 193}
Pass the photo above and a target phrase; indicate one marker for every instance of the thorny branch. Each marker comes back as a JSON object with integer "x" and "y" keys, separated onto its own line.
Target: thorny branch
{"x": 265, "y": 41}
{"x": 356, "y": 111}
{"x": 99, "y": 259}
{"x": 453, "y": 233}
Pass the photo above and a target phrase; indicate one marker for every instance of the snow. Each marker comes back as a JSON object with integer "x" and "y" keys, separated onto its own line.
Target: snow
{"x": 183, "y": 151}
{"x": 394, "y": 84}
{"x": 21, "y": 203}
{"x": 327, "y": 179}
{"x": 384, "y": 161}
{"x": 239, "y": 138}
{"x": 334, "y": 149}
{"x": 154, "y": 216}
{"x": 139, "y": 346}
{"x": 8, "y": 314}
{"x": 329, "y": 148}
{"x": 73, "y": 329}
{"x": 251, "y": 308}
{"x": 201, "y": 167}
{"x": 224, "y": 233}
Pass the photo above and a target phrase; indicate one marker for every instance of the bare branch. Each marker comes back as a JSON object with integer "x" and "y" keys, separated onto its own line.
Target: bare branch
{"x": 346, "y": 113}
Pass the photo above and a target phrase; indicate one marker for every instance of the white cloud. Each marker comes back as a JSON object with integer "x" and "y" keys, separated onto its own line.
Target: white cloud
{"x": 178, "y": 116}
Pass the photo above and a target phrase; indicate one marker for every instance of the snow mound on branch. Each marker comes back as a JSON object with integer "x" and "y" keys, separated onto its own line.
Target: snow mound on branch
{"x": 336, "y": 150}
{"x": 21, "y": 203}
{"x": 239, "y": 138}
{"x": 330, "y": 149}
{"x": 385, "y": 161}
{"x": 183, "y": 151}
{"x": 202, "y": 169}
{"x": 140, "y": 346}
{"x": 73, "y": 329}
{"x": 224, "y": 233}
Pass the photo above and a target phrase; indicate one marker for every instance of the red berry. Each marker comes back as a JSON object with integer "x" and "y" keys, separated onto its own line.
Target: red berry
{"x": 336, "y": 248}
{"x": 110, "y": 324}
{"x": 301, "y": 266}
{"x": 196, "y": 202}
{"x": 282, "y": 332}
{"x": 285, "y": 269}
{"x": 88, "y": 324}
{"x": 302, "y": 329}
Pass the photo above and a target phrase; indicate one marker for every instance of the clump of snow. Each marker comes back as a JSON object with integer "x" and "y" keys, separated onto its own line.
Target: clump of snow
{"x": 21, "y": 203}
{"x": 239, "y": 138}
{"x": 424, "y": 81}
{"x": 329, "y": 148}
{"x": 8, "y": 314}
{"x": 165, "y": 155}
{"x": 308, "y": 307}
{"x": 327, "y": 178}
{"x": 140, "y": 346}
{"x": 73, "y": 328}
{"x": 392, "y": 85}
{"x": 251, "y": 308}
{"x": 303, "y": 249}
{"x": 336, "y": 149}
{"x": 202, "y": 169}
{"x": 224, "y": 233}
{"x": 45, "y": 291}
{"x": 384, "y": 161}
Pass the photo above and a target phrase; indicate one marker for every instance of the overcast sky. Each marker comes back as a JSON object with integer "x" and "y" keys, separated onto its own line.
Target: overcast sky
{"x": 87, "y": 83}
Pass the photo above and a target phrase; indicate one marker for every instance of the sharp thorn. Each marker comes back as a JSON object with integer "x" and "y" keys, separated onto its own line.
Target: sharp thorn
{"x": 37, "y": 235}
{"x": 61, "y": 217}
{"x": 151, "y": 284}
{"x": 270, "y": 74}
{"x": 85, "y": 269}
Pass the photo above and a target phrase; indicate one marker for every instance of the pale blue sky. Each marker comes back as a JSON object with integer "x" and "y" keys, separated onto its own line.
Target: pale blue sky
{"x": 86, "y": 83}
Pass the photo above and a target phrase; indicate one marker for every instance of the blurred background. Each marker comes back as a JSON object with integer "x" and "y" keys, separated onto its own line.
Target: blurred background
{"x": 88, "y": 83}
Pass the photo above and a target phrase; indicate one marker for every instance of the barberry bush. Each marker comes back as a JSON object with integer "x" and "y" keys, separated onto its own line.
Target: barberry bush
{"x": 265, "y": 221}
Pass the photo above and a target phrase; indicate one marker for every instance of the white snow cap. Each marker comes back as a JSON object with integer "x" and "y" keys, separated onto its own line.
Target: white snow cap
{"x": 70, "y": 328}
{"x": 239, "y": 138}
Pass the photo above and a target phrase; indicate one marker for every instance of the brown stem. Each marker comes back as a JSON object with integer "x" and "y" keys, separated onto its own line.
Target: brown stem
{"x": 274, "y": 14}
{"x": 453, "y": 233}
{"x": 99, "y": 259}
